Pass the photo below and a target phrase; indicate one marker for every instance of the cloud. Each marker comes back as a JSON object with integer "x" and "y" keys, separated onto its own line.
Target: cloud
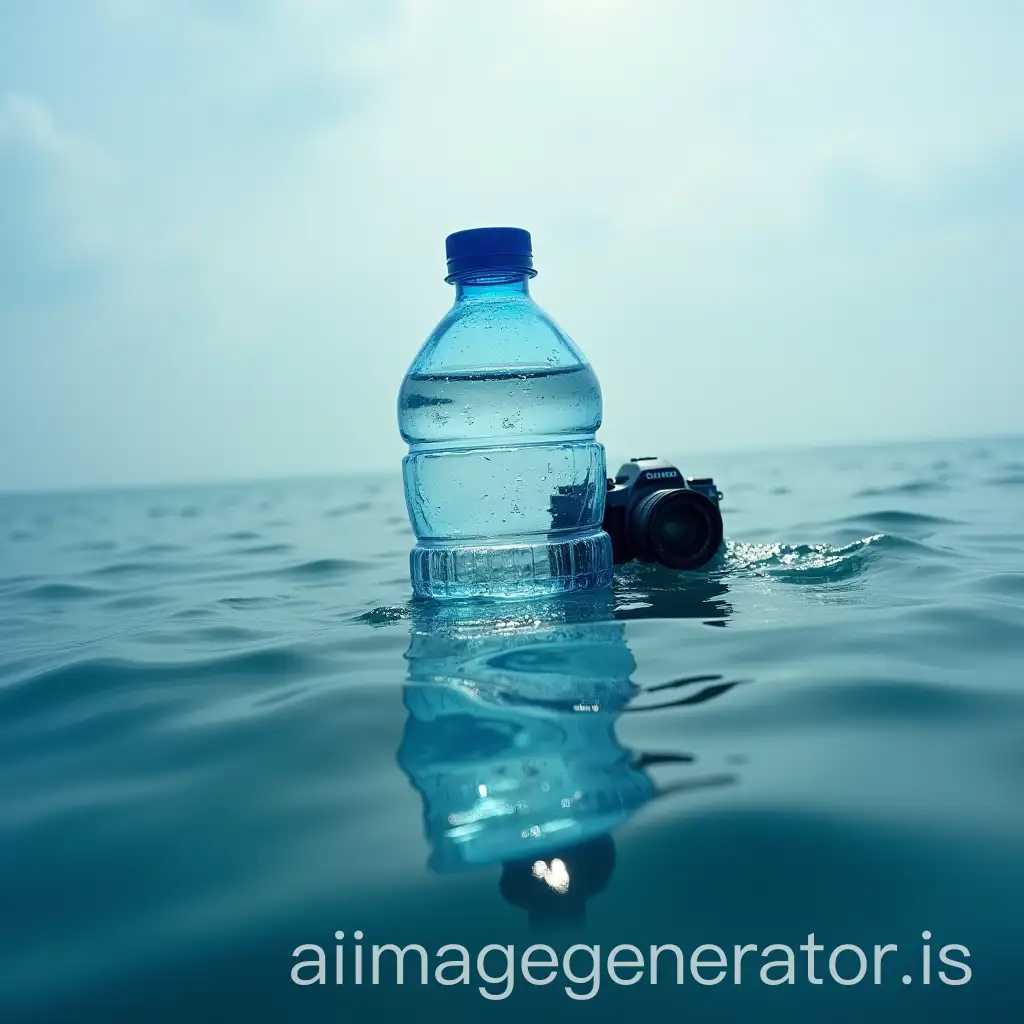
{"x": 52, "y": 249}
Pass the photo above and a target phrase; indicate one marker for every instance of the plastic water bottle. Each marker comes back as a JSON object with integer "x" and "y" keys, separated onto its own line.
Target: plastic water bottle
{"x": 504, "y": 480}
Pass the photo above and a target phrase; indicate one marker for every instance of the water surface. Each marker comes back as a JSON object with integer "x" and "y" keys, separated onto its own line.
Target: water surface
{"x": 225, "y": 732}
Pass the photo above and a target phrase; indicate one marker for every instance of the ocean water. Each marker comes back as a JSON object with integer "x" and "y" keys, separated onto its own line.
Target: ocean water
{"x": 225, "y": 732}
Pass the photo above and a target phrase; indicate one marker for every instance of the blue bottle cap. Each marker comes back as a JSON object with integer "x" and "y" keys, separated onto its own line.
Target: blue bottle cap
{"x": 489, "y": 249}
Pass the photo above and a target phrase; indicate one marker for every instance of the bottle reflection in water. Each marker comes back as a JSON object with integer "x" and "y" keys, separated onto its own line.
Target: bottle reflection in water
{"x": 511, "y": 743}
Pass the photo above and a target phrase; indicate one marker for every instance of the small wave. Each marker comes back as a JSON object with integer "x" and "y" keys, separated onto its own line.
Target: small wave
{"x": 267, "y": 549}
{"x": 160, "y": 549}
{"x": 197, "y": 613}
{"x": 94, "y": 545}
{"x": 912, "y": 700}
{"x": 958, "y": 631}
{"x": 894, "y": 519}
{"x": 869, "y": 702}
{"x": 227, "y": 634}
{"x": 61, "y": 592}
{"x": 320, "y": 567}
{"x": 311, "y": 572}
{"x": 243, "y": 603}
{"x": 127, "y": 569}
{"x": 266, "y": 663}
{"x": 911, "y": 488}
{"x": 345, "y": 510}
{"x": 87, "y": 680}
{"x": 240, "y": 535}
{"x": 131, "y": 601}
{"x": 384, "y": 615}
{"x": 14, "y": 582}
{"x": 1002, "y": 584}
{"x": 223, "y": 635}
{"x": 808, "y": 563}
{"x": 1007, "y": 480}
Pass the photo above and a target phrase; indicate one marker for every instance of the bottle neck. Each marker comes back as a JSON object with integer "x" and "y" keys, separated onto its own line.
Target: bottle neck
{"x": 492, "y": 284}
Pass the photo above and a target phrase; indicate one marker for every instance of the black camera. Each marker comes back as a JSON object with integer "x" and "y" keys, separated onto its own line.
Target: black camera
{"x": 653, "y": 513}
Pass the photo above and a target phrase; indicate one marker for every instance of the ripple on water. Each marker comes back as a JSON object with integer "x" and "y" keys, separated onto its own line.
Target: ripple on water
{"x": 116, "y": 569}
{"x": 131, "y": 601}
{"x": 160, "y": 549}
{"x": 61, "y": 592}
{"x": 267, "y": 549}
{"x": 227, "y": 635}
{"x": 1001, "y": 584}
{"x": 194, "y": 613}
{"x": 909, "y": 699}
{"x": 958, "y": 631}
{"x": 808, "y": 563}
{"x": 346, "y": 510}
{"x": 318, "y": 568}
{"x": 384, "y": 615}
{"x": 252, "y": 601}
{"x": 93, "y": 545}
{"x": 1007, "y": 480}
{"x": 910, "y": 488}
{"x": 313, "y": 572}
{"x": 16, "y": 582}
{"x": 858, "y": 702}
{"x": 54, "y": 691}
{"x": 895, "y": 519}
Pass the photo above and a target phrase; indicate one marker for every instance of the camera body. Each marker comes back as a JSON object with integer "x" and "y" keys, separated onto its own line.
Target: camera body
{"x": 655, "y": 514}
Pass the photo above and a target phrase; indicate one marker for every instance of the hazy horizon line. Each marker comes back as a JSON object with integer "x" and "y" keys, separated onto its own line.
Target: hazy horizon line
{"x": 700, "y": 453}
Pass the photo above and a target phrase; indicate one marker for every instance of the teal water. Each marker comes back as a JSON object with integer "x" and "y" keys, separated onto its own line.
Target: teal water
{"x": 225, "y": 733}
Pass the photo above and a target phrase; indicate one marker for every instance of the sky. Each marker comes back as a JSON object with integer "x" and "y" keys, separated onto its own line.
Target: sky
{"x": 765, "y": 223}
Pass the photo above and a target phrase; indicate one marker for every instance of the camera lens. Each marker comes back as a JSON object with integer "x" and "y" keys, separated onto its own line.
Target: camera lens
{"x": 681, "y": 528}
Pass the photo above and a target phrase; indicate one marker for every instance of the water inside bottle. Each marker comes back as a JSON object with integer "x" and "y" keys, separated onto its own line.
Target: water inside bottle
{"x": 505, "y": 460}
